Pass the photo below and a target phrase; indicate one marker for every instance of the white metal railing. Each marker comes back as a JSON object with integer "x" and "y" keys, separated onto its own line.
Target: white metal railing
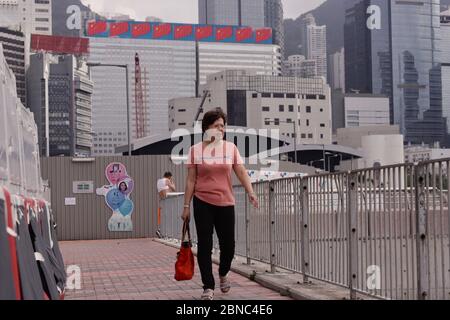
{"x": 380, "y": 231}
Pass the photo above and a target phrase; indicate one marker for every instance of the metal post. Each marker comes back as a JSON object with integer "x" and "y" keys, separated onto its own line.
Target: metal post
{"x": 352, "y": 234}
{"x": 128, "y": 113}
{"x": 324, "y": 158}
{"x": 304, "y": 221}
{"x": 272, "y": 226}
{"x": 295, "y": 141}
{"x": 422, "y": 238}
{"x": 247, "y": 232}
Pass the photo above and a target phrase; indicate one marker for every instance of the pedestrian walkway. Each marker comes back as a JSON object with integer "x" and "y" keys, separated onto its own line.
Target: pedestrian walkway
{"x": 143, "y": 269}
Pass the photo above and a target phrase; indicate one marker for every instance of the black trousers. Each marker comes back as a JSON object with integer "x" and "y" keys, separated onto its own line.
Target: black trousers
{"x": 207, "y": 217}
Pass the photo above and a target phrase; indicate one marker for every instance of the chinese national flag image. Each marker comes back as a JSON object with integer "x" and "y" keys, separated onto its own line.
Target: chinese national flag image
{"x": 118, "y": 28}
{"x": 224, "y": 33}
{"x": 263, "y": 34}
{"x": 203, "y": 32}
{"x": 96, "y": 27}
{"x": 162, "y": 30}
{"x": 243, "y": 34}
{"x": 183, "y": 31}
{"x": 140, "y": 29}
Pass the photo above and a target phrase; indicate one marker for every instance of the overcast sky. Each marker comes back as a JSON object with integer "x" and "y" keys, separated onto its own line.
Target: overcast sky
{"x": 181, "y": 10}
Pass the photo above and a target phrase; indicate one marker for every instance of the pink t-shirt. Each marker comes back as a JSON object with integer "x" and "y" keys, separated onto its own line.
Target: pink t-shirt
{"x": 214, "y": 165}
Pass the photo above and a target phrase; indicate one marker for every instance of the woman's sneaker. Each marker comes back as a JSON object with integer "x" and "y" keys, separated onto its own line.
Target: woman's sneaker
{"x": 225, "y": 284}
{"x": 208, "y": 294}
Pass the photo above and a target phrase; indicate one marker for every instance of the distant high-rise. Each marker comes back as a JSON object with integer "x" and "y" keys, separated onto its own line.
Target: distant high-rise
{"x": 316, "y": 48}
{"x": 232, "y": 12}
{"x": 38, "y": 75}
{"x": 70, "y": 107}
{"x": 306, "y": 21}
{"x": 314, "y": 43}
{"x": 445, "y": 49}
{"x": 274, "y": 18}
{"x": 32, "y": 16}
{"x": 336, "y": 70}
{"x": 252, "y": 13}
{"x": 14, "y": 50}
{"x": 395, "y": 52}
{"x": 27, "y": 16}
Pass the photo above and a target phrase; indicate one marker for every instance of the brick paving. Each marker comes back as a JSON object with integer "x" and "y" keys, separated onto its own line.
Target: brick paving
{"x": 142, "y": 269}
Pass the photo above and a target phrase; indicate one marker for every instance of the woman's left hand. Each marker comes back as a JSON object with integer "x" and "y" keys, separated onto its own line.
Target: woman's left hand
{"x": 254, "y": 200}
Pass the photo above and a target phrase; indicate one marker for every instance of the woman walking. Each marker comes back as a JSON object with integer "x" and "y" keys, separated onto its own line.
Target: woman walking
{"x": 210, "y": 166}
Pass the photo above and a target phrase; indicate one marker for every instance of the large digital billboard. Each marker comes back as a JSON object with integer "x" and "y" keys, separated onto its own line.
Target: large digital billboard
{"x": 176, "y": 31}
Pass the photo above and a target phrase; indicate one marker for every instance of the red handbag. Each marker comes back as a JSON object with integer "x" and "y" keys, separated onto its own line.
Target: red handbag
{"x": 184, "y": 267}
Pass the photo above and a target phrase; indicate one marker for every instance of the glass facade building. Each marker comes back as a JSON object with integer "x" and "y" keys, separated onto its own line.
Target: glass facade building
{"x": 274, "y": 18}
{"x": 253, "y": 13}
{"x": 394, "y": 50}
{"x": 415, "y": 64}
{"x": 232, "y": 12}
{"x": 445, "y": 54}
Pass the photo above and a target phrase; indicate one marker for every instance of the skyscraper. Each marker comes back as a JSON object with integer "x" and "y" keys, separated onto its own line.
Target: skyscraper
{"x": 252, "y": 13}
{"x": 316, "y": 48}
{"x": 306, "y": 21}
{"x": 314, "y": 44}
{"x": 232, "y": 12}
{"x": 336, "y": 70}
{"x": 70, "y": 107}
{"x": 445, "y": 66}
{"x": 14, "y": 50}
{"x": 33, "y": 16}
{"x": 274, "y": 19}
{"x": 392, "y": 49}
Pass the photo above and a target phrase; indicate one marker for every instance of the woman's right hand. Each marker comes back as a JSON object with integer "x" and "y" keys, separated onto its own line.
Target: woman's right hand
{"x": 186, "y": 216}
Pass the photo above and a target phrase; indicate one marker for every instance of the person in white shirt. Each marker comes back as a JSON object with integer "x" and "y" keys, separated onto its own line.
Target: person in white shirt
{"x": 164, "y": 186}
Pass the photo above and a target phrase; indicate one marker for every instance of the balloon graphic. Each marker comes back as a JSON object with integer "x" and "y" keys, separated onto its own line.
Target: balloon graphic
{"x": 126, "y": 185}
{"x": 126, "y": 208}
{"x": 115, "y": 172}
{"x": 114, "y": 199}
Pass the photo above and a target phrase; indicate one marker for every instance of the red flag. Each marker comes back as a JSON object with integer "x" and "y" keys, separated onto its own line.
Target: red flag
{"x": 162, "y": 30}
{"x": 244, "y": 34}
{"x": 263, "y": 34}
{"x": 203, "y": 32}
{"x": 183, "y": 31}
{"x": 224, "y": 33}
{"x": 118, "y": 28}
{"x": 140, "y": 29}
{"x": 97, "y": 27}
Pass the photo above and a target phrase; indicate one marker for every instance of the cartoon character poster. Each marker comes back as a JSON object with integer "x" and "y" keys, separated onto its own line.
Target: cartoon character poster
{"x": 117, "y": 197}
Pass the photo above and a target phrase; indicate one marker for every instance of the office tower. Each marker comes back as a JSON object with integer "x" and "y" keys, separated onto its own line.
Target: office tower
{"x": 306, "y": 21}
{"x": 14, "y": 50}
{"x": 445, "y": 66}
{"x": 232, "y": 12}
{"x": 314, "y": 43}
{"x": 274, "y": 18}
{"x": 317, "y": 48}
{"x": 253, "y": 13}
{"x": 59, "y": 95}
{"x": 336, "y": 70}
{"x": 395, "y": 52}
